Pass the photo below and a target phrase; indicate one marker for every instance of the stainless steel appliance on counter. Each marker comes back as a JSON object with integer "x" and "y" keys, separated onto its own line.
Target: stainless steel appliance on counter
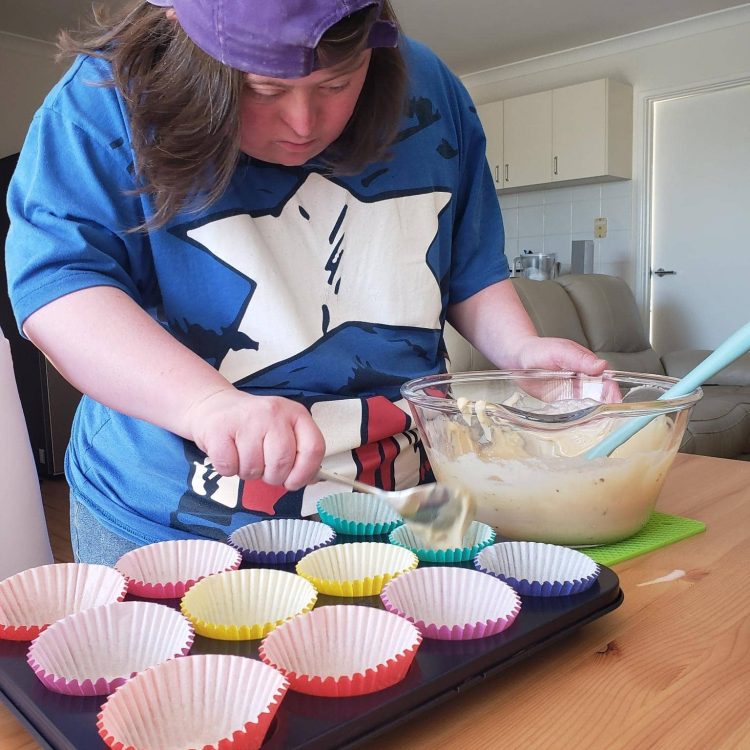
{"x": 538, "y": 266}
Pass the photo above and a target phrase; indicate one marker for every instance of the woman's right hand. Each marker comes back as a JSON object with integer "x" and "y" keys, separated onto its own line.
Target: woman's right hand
{"x": 127, "y": 361}
{"x": 257, "y": 437}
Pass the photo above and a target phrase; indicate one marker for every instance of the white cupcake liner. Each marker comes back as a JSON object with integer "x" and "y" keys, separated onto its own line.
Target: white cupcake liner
{"x": 34, "y": 598}
{"x": 280, "y": 541}
{"x": 94, "y": 651}
{"x": 166, "y": 570}
{"x": 212, "y": 702}
{"x": 538, "y": 569}
{"x": 246, "y": 604}
{"x": 452, "y": 604}
{"x": 355, "y": 568}
{"x": 342, "y": 650}
{"x": 358, "y": 514}
{"x": 477, "y": 536}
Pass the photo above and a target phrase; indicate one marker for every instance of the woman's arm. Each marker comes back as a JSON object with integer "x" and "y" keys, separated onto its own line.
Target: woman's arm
{"x": 109, "y": 348}
{"x": 495, "y": 321}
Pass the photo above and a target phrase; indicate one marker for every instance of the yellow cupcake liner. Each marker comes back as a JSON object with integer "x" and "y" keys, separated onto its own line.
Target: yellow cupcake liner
{"x": 356, "y": 568}
{"x": 243, "y": 605}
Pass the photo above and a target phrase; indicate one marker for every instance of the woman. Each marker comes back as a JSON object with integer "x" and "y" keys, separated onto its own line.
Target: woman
{"x": 238, "y": 228}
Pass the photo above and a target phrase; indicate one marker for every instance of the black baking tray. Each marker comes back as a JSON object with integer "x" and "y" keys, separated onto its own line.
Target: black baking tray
{"x": 441, "y": 670}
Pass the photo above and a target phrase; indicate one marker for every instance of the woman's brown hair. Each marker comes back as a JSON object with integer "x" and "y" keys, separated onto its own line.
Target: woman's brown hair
{"x": 184, "y": 106}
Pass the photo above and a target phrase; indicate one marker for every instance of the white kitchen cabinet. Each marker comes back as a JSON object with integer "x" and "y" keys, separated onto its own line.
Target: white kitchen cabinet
{"x": 491, "y": 117}
{"x": 527, "y": 140}
{"x": 569, "y": 135}
{"x": 592, "y": 125}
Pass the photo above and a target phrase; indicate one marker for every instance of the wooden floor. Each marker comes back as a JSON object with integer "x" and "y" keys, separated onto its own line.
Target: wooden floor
{"x": 56, "y": 509}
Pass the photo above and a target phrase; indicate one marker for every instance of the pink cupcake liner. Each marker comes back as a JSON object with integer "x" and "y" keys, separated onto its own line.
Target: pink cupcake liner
{"x": 211, "y": 702}
{"x": 33, "y": 599}
{"x": 166, "y": 570}
{"x": 539, "y": 569}
{"x": 342, "y": 650}
{"x": 94, "y": 651}
{"x": 450, "y": 604}
{"x": 280, "y": 541}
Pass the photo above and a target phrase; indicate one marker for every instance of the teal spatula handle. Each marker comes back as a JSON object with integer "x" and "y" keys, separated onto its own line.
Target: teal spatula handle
{"x": 735, "y": 346}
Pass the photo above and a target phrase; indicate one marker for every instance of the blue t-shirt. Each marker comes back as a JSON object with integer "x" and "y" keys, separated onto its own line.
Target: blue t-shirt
{"x": 328, "y": 290}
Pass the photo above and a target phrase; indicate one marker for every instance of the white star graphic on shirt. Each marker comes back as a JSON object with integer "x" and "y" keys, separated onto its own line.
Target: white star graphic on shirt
{"x": 329, "y": 258}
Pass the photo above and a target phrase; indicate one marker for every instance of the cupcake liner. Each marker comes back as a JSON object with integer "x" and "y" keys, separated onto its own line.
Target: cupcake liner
{"x": 538, "y": 569}
{"x": 166, "y": 570}
{"x": 94, "y": 651}
{"x": 211, "y": 702}
{"x": 477, "y": 536}
{"x": 34, "y": 598}
{"x": 358, "y": 514}
{"x": 452, "y": 604}
{"x": 355, "y": 568}
{"x": 280, "y": 541}
{"x": 246, "y": 604}
{"x": 342, "y": 650}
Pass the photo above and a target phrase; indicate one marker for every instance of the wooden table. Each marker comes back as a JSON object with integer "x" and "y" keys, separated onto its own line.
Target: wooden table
{"x": 669, "y": 669}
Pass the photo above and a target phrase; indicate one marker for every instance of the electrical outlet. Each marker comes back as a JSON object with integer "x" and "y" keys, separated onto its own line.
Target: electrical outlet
{"x": 600, "y": 228}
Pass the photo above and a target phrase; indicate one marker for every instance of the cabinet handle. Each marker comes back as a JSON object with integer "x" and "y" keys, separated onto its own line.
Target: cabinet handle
{"x": 507, "y": 177}
{"x": 497, "y": 173}
{"x": 555, "y": 167}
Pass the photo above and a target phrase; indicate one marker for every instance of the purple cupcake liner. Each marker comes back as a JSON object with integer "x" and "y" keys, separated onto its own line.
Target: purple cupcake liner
{"x": 262, "y": 553}
{"x": 517, "y": 564}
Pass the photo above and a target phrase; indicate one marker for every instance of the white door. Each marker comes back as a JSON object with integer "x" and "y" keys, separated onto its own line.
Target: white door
{"x": 700, "y": 208}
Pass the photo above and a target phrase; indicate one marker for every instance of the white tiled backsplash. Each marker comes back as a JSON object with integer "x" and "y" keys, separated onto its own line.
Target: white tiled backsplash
{"x": 549, "y": 220}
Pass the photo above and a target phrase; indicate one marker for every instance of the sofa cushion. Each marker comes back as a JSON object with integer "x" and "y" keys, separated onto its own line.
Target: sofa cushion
{"x": 720, "y": 423}
{"x": 550, "y": 309}
{"x": 679, "y": 363}
{"x": 608, "y": 312}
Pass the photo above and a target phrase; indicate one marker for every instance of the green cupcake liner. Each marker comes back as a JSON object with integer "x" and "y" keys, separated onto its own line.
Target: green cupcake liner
{"x": 358, "y": 514}
{"x": 477, "y": 536}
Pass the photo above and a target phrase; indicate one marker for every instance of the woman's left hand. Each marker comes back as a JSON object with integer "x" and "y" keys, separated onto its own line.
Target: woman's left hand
{"x": 548, "y": 353}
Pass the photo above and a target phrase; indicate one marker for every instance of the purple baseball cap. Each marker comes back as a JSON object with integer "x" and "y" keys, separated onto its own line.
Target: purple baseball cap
{"x": 275, "y": 38}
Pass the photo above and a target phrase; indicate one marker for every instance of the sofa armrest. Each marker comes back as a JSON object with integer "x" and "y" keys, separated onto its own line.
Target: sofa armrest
{"x": 678, "y": 364}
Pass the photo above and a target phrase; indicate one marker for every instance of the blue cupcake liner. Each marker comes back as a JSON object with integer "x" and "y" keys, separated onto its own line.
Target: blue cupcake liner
{"x": 477, "y": 536}
{"x": 538, "y": 569}
{"x": 280, "y": 541}
{"x": 358, "y": 514}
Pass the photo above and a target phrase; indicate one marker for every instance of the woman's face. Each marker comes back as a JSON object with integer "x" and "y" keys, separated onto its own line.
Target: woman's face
{"x": 289, "y": 121}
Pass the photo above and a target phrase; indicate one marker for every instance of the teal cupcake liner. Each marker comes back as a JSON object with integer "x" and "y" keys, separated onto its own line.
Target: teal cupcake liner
{"x": 478, "y": 536}
{"x": 358, "y": 514}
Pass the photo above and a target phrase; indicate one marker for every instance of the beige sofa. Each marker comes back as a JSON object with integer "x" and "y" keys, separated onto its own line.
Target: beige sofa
{"x": 601, "y": 313}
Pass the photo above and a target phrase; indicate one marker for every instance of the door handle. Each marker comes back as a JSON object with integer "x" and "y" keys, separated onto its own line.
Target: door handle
{"x": 662, "y": 272}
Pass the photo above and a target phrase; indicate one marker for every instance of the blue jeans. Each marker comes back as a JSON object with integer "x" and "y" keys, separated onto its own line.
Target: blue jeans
{"x": 92, "y": 542}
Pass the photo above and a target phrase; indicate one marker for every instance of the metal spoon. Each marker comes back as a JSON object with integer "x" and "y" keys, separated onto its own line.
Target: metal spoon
{"x": 437, "y": 514}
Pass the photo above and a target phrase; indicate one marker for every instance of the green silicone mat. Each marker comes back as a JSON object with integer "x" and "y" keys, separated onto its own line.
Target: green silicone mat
{"x": 662, "y": 529}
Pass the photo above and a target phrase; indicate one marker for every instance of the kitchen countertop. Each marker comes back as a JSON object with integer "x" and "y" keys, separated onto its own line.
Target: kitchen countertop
{"x": 669, "y": 668}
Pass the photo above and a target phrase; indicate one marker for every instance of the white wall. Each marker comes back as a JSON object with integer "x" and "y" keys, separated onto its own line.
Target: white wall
{"x": 710, "y": 49}
{"x": 547, "y": 221}
{"x": 27, "y": 72}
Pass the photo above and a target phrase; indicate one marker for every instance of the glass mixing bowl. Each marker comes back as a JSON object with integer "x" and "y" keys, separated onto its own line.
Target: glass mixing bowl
{"x": 517, "y": 441}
